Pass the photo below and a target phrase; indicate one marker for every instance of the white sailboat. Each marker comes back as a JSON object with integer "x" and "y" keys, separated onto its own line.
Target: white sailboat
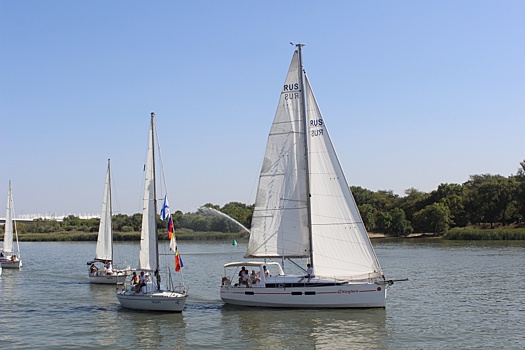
{"x": 153, "y": 296}
{"x": 304, "y": 209}
{"x": 101, "y": 269}
{"x": 10, "y": 258}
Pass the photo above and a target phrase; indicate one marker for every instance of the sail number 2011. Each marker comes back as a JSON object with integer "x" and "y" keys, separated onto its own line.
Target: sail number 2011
{"x": 316, "y": 127}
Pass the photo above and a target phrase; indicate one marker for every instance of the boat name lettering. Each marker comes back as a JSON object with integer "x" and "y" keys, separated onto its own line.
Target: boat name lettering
{"x": 341, "y": 291}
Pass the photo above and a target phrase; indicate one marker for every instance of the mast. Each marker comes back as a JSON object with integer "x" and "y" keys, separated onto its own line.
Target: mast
{"x": 156, "y": 272}
{"x": 305, "y": 124}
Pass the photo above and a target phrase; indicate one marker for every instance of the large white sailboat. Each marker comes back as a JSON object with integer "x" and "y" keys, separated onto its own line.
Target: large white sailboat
{"x": 9, "y": 256}
{"x": 304, "y": 210}
{"x": 153, "y": 296}
{"x": 102, "y": 269}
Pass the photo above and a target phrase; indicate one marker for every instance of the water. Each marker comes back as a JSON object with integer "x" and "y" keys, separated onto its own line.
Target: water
{"x": 461, "y": 295}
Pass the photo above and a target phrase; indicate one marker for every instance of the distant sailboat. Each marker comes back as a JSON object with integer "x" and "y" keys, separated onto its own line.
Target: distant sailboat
{"x": 101, "y": 269}
{"x": 304, "y": 209}
{"x": 9, "y": 257}
{"x": 153, "y": 296}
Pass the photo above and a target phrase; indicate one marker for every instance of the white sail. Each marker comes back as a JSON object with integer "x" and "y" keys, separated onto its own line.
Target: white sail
{"x": 104, "y": 250}
{"x": 278, "y": 223}
{"x": 8, "y": 228}
{"x": 342, "y": 248}
{"x": 148, "y": 244}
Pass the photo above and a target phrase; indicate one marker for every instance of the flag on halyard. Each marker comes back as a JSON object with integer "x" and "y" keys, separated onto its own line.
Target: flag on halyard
{"x": 173, "y": 243}
{"x": 165, "y": 210}
{"x": 170, "y": 228}
{"x": 178, "y": 260}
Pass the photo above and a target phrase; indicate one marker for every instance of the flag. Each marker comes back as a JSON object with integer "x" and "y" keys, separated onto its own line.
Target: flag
{"x": 170, "y": 228}
{"x": 165, "y": 210}
{"x": 178, "y": 261}
{"x": 173, "y": 243}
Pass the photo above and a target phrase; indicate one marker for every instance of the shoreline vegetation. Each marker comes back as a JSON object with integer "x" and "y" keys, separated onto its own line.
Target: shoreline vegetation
{"x": 468, "y": 233}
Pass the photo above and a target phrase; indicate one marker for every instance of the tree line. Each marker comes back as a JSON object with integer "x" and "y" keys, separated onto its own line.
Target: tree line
{"x": 483, "y": 200}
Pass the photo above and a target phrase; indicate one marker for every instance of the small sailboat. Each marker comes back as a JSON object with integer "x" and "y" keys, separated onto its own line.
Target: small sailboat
{"x": 304, "y": 210}
{"x": 152, "y": 295}
{"x": 101, "y": 269}
{"x": 10, "y": 258}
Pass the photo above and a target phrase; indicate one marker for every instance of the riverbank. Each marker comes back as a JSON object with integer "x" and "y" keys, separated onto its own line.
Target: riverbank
{"x": 127, "y": 236}
{"x": 469, "y": 234}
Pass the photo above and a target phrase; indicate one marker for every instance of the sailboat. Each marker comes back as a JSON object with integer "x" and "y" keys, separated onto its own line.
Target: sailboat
{"x": 153, "y": 296}
{"x": 101, "y": 269}
{"x": 304, "y": 209}
{"x": 10, "y": 258}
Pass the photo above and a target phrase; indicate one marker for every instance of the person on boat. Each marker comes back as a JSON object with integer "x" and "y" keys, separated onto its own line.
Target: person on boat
{"x": 134, "y": 279}
{"x": 109, "y": 268}
{"x": 93, "y": 268}
{"x": 266, "y": 272}
{"x": 225, "y": 281}
{"x": 309, "y": 273}
{"x": 142, "y": 281}
{"x": 246, "y": 278}
{"x": 13, "y": 258}
{"x": 241, "y": 275}
{"x": 253, "y": 278}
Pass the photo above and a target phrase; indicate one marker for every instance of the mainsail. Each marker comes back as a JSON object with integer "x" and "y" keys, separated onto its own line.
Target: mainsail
{"x": 278, "y": 224}
{"x": 104, "y": 250}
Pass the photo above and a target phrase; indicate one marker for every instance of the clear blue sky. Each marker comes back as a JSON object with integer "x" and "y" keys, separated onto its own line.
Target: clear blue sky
{"x": 414, "y": 93}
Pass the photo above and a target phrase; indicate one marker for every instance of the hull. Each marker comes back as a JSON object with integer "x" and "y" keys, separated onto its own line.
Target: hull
{"x": 8, "y": 264}
{"x": 348, "y": 295}
{"x": 154, "y": 301}
{"x": 102, "y": 278}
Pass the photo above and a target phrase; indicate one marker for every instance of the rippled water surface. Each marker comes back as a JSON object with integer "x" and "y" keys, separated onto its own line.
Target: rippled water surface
{"x": 461, "y": 295}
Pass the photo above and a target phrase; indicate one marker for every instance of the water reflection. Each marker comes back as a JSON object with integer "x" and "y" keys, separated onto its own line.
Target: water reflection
{"x": 304, "y": 329}
{"x": 147, "y": 330}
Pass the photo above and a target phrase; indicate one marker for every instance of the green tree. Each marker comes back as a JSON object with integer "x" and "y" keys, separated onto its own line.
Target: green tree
{"x": 399, "y": 225}
{"x": 414, "y": 201}
{"x": 368, "y": 214}
{"x": 434, "y": 218}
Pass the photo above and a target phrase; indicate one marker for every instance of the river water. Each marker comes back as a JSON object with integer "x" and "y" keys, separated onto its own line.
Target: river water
{"x": 461, "y": 295}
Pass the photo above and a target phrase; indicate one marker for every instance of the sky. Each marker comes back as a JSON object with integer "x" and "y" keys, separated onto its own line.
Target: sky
{"x": 414, "y": 94}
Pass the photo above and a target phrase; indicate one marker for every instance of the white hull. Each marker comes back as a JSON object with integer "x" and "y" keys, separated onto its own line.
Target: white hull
{"x": 8, "y": 264}
{"x": 153, "y": 301}
{"x": 347, "y": 295}
{"x": 103, "y": 278}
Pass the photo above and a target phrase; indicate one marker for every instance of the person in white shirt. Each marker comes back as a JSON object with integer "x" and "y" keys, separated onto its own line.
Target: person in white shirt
{"x": 309, "y": 273}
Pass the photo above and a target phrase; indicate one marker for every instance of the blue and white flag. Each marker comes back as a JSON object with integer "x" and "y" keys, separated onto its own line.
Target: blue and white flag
{"x": 165, "y": 210}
